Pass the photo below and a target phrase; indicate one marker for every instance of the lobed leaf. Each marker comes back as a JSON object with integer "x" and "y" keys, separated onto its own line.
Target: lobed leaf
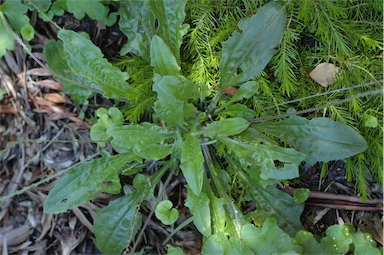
{"x": 79, "y": 185}
{"x": 93, "y": 8}
{"x": 322, "y": 139}
{"x": 138, "y": 24}
{"x": 89, "y": 68}
{"x": 251, "y": 50}
{"x": 146, "y": 140}
{"x": 172, "y": 100}
{"x": 269, "y": 239}
{"x": 57, "y": 61}
{"x": 15, "y": 12}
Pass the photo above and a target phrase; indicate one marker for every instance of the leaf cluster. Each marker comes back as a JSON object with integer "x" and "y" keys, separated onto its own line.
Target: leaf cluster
{"x": 196, "y": 130}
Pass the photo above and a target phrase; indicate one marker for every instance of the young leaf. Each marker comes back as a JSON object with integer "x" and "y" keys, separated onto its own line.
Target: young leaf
{"x": 165, "y": 213}
{"x": 138, "y": 24}
{"x": 192, "y": 163}
{"x": 91, "y": 69}
{"x": 162, "y": 58}
{"x": 170, "y": 15}
{"x": 364, "y": 244}
{"x": 172, "y": 100}
{"x": 199, "y": 207}
{"x": 252, "y": 50}
{"x": 226, "y": 127}
{"x": 117, "y": 224}
{"x": 322, "y": 139}
{"x": 79, "y": 185}
{"x": 15, "y": 13}
{"x": 269, "y": 239}
{"x": 245, "y": 91}
{"x": 337, "y": 240}
{"x": 301, "y": 195}
{"x": 308, "y": 242}
{"x": 238, "y": 110}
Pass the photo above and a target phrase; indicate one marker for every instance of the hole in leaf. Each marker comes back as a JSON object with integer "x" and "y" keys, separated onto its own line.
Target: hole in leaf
{"x": 64, "y": 201}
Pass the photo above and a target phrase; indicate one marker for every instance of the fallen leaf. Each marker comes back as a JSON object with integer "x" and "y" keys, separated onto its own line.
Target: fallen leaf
{"x": 56, "y": 98}
{"x": 230, "y": 91}
{"x": 50, "y": 84}
{"x": 324, "y": 74}
{"x": 39, "y": 72}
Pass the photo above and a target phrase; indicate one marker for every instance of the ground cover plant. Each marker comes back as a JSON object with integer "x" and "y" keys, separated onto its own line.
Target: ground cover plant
{"x": 191, "y": 101}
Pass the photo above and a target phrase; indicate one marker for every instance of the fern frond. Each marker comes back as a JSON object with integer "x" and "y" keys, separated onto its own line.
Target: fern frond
{"x": 285, "y": 61}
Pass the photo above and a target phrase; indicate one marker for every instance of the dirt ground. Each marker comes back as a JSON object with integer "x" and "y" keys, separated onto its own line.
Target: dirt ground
{"x": 43, "y": 134}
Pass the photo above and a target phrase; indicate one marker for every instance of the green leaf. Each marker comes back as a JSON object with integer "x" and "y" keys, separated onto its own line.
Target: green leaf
{"x": 215, "y": 244}
{"x": 146, "y": 140}
{"x": 337, "y": 240}
{"x": 245, "y": 91}
{"x": 107, "y": 119}
{"x": 172, "y": 100}
{"x": 226, "y": 127}
{"x": 370, "y": 121}
{"x": 251, "y": 50}
{"x": 79, "y": 185}
{"x": 301, "y": 195}
{"x": 57, "y": 61}
{"x": 6, "y": 42}
{"x": 27, "y": 32}
{"x": 239, "y": 110}
{"x": 117, "y": 224}
{"x": 192, "y": 163}
{"x": 172, "y": 87}
{"x": 93, "y": 8}
{"x": 15, "y": 13}
{"x": 364, "y": 244}
{"x": 322, "y": 139}
{"x": 89, "y": 68}
{"x": 39, "y": 5}
{"x": 269, "y": 239}
{"x": 264, "y": 156}
{"x": 170, "y": 14}
{"x": 162, "y": 58}
{"x": 174, "y": 250}
{"x": 165, "y": 213}
{"x": 171, "y": 112}
{"x": 308, "y": 242}
{"x": 279, "y": 204}
{"x": 138, "y": 24}
{"x": 199, "y": 207}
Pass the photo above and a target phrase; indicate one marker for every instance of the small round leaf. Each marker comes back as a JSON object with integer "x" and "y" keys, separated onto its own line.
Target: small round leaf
{"x": 300, "y": 195}
{"x": 370, "y": 121}
{"x": 165, "y": 213}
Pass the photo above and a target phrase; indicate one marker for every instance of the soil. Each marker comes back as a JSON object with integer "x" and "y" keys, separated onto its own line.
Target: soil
{"x": 36, "y": 118}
